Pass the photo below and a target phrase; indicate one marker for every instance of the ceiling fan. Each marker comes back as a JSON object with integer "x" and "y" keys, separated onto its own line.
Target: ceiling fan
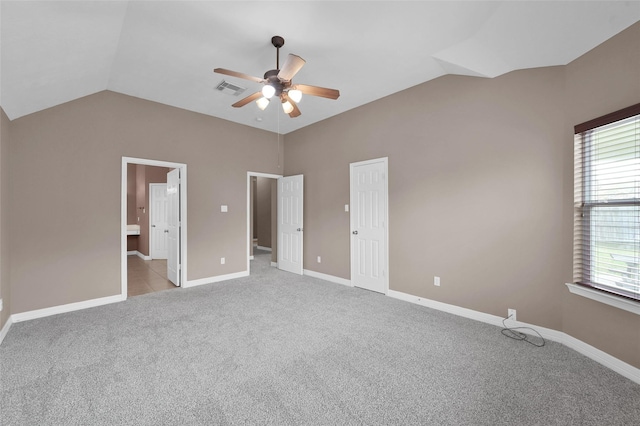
{"x": 277, "y": 83}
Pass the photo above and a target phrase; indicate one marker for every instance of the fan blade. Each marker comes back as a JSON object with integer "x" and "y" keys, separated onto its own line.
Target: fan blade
{"x": 290, "y": 67}
{"x": 238, "y": 74}
{"x": 318, "y": 91}
{"x": 250, "y": 98}
{"x": 296, "y": 111}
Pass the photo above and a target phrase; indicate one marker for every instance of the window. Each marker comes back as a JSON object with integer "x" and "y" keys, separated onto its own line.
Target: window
{"x": 607, "y": 203}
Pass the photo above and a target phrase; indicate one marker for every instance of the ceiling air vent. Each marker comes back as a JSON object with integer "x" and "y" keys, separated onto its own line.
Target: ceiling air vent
{"x": 229, "y": 88}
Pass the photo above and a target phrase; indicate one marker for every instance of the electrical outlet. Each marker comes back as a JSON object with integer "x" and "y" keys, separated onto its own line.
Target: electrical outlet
{"x": 511, "y": 313}
{"x": 222, "y": 261}
{"x": 319, "y": 259}
{"x": 436, "y": 281}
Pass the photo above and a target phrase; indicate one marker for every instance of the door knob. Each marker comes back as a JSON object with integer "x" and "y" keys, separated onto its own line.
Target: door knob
{"x": 299, "y": 229}
{"x": 355, "y": 232}
{"x": 166, "y": 230}
{"x": 153, "y": 226}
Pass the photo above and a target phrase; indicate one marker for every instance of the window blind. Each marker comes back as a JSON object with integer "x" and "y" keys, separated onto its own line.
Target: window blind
{"x": 607, "y": 203}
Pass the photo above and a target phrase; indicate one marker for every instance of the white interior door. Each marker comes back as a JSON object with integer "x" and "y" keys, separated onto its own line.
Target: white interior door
{"x": 158, "y": 220}
{"x": 290, "y": 224}
{"x": 173, "y": 226}
{"x": 369, "y": 252}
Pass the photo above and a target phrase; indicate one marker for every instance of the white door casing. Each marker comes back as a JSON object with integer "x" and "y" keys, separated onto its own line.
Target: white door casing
{"x": 290, "y": 223}
{"x": 183, "y": 243}
{"x": 158, "y": 220}
{"x": 173, "y": 226}
{"x": 369, "y": 225}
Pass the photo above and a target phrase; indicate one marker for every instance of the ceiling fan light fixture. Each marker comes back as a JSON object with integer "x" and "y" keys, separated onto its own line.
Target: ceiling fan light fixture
{"x": 287, "y": 107}
{"x": 262, "y": 103}
{"x": 295, "y": 95}
{"x": 268, "y": 91}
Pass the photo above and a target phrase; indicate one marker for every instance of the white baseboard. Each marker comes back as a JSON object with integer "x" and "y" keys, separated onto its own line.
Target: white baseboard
{"x": 70, "y": 307}
{"x": 274, "y": 264}
{"x": 263, "y": 248}
{"x": 327, "y": 277}
{"x": 142, "y": 256}
{"x": 620, "y": 367}
{"x": 217, "y": 278}
{"x": 5, "y": 329}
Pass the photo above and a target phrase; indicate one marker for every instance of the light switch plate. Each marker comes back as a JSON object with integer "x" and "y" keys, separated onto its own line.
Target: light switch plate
{"x": 223, "y": 209}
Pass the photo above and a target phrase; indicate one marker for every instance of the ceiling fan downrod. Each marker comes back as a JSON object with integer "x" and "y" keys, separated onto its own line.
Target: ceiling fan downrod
{"x": 277, "y": 42}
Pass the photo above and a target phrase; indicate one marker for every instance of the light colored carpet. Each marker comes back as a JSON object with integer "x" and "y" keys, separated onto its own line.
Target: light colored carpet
{"x": 276, "y": 348}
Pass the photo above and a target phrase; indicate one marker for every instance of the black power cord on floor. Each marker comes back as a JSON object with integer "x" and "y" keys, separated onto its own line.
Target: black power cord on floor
{"x": 511, "y": 333}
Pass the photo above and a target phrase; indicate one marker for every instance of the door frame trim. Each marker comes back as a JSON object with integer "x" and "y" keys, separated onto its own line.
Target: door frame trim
{"x": 249, "y": 176}
{"x": 385, "y": 161}
{"x": 123, "y": 217}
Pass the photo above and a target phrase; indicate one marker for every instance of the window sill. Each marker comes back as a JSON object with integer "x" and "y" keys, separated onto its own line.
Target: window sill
{"x": 611, "y": 300}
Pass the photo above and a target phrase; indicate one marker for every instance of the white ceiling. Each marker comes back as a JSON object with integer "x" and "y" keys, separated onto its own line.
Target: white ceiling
{"x": 53, "y": 52}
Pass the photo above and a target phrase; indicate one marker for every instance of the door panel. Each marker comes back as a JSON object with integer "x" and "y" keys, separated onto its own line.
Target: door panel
{"x": 173, "y": 226}
{"x": 158, "y": 220}
{"x": 290, "y": 223}
{"x": 368, "y": 225}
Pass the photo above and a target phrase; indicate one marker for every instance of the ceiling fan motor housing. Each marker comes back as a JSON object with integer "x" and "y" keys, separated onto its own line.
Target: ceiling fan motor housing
{"x": 272, "y": 79}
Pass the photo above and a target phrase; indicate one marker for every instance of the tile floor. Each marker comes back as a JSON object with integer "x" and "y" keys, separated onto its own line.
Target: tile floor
{"x": 146, "y": 276}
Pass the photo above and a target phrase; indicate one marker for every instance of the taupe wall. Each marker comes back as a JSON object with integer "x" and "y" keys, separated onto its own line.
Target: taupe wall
{"x": 475, "y": 192}
{"x": 480, "y": 189}
{"x": 602, "y": 81}
{"x": 263, "y": 211}
{"x": 5, "y": 288}
{"x": 65, "y": 234}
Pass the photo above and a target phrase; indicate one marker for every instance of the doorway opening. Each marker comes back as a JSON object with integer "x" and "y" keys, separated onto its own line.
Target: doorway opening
{"x": 137, "y": 220}
{"x": 261, "y": 220}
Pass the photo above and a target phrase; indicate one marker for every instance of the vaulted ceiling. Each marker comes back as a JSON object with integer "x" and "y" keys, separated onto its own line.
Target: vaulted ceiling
{"x": 165, "y": 51}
